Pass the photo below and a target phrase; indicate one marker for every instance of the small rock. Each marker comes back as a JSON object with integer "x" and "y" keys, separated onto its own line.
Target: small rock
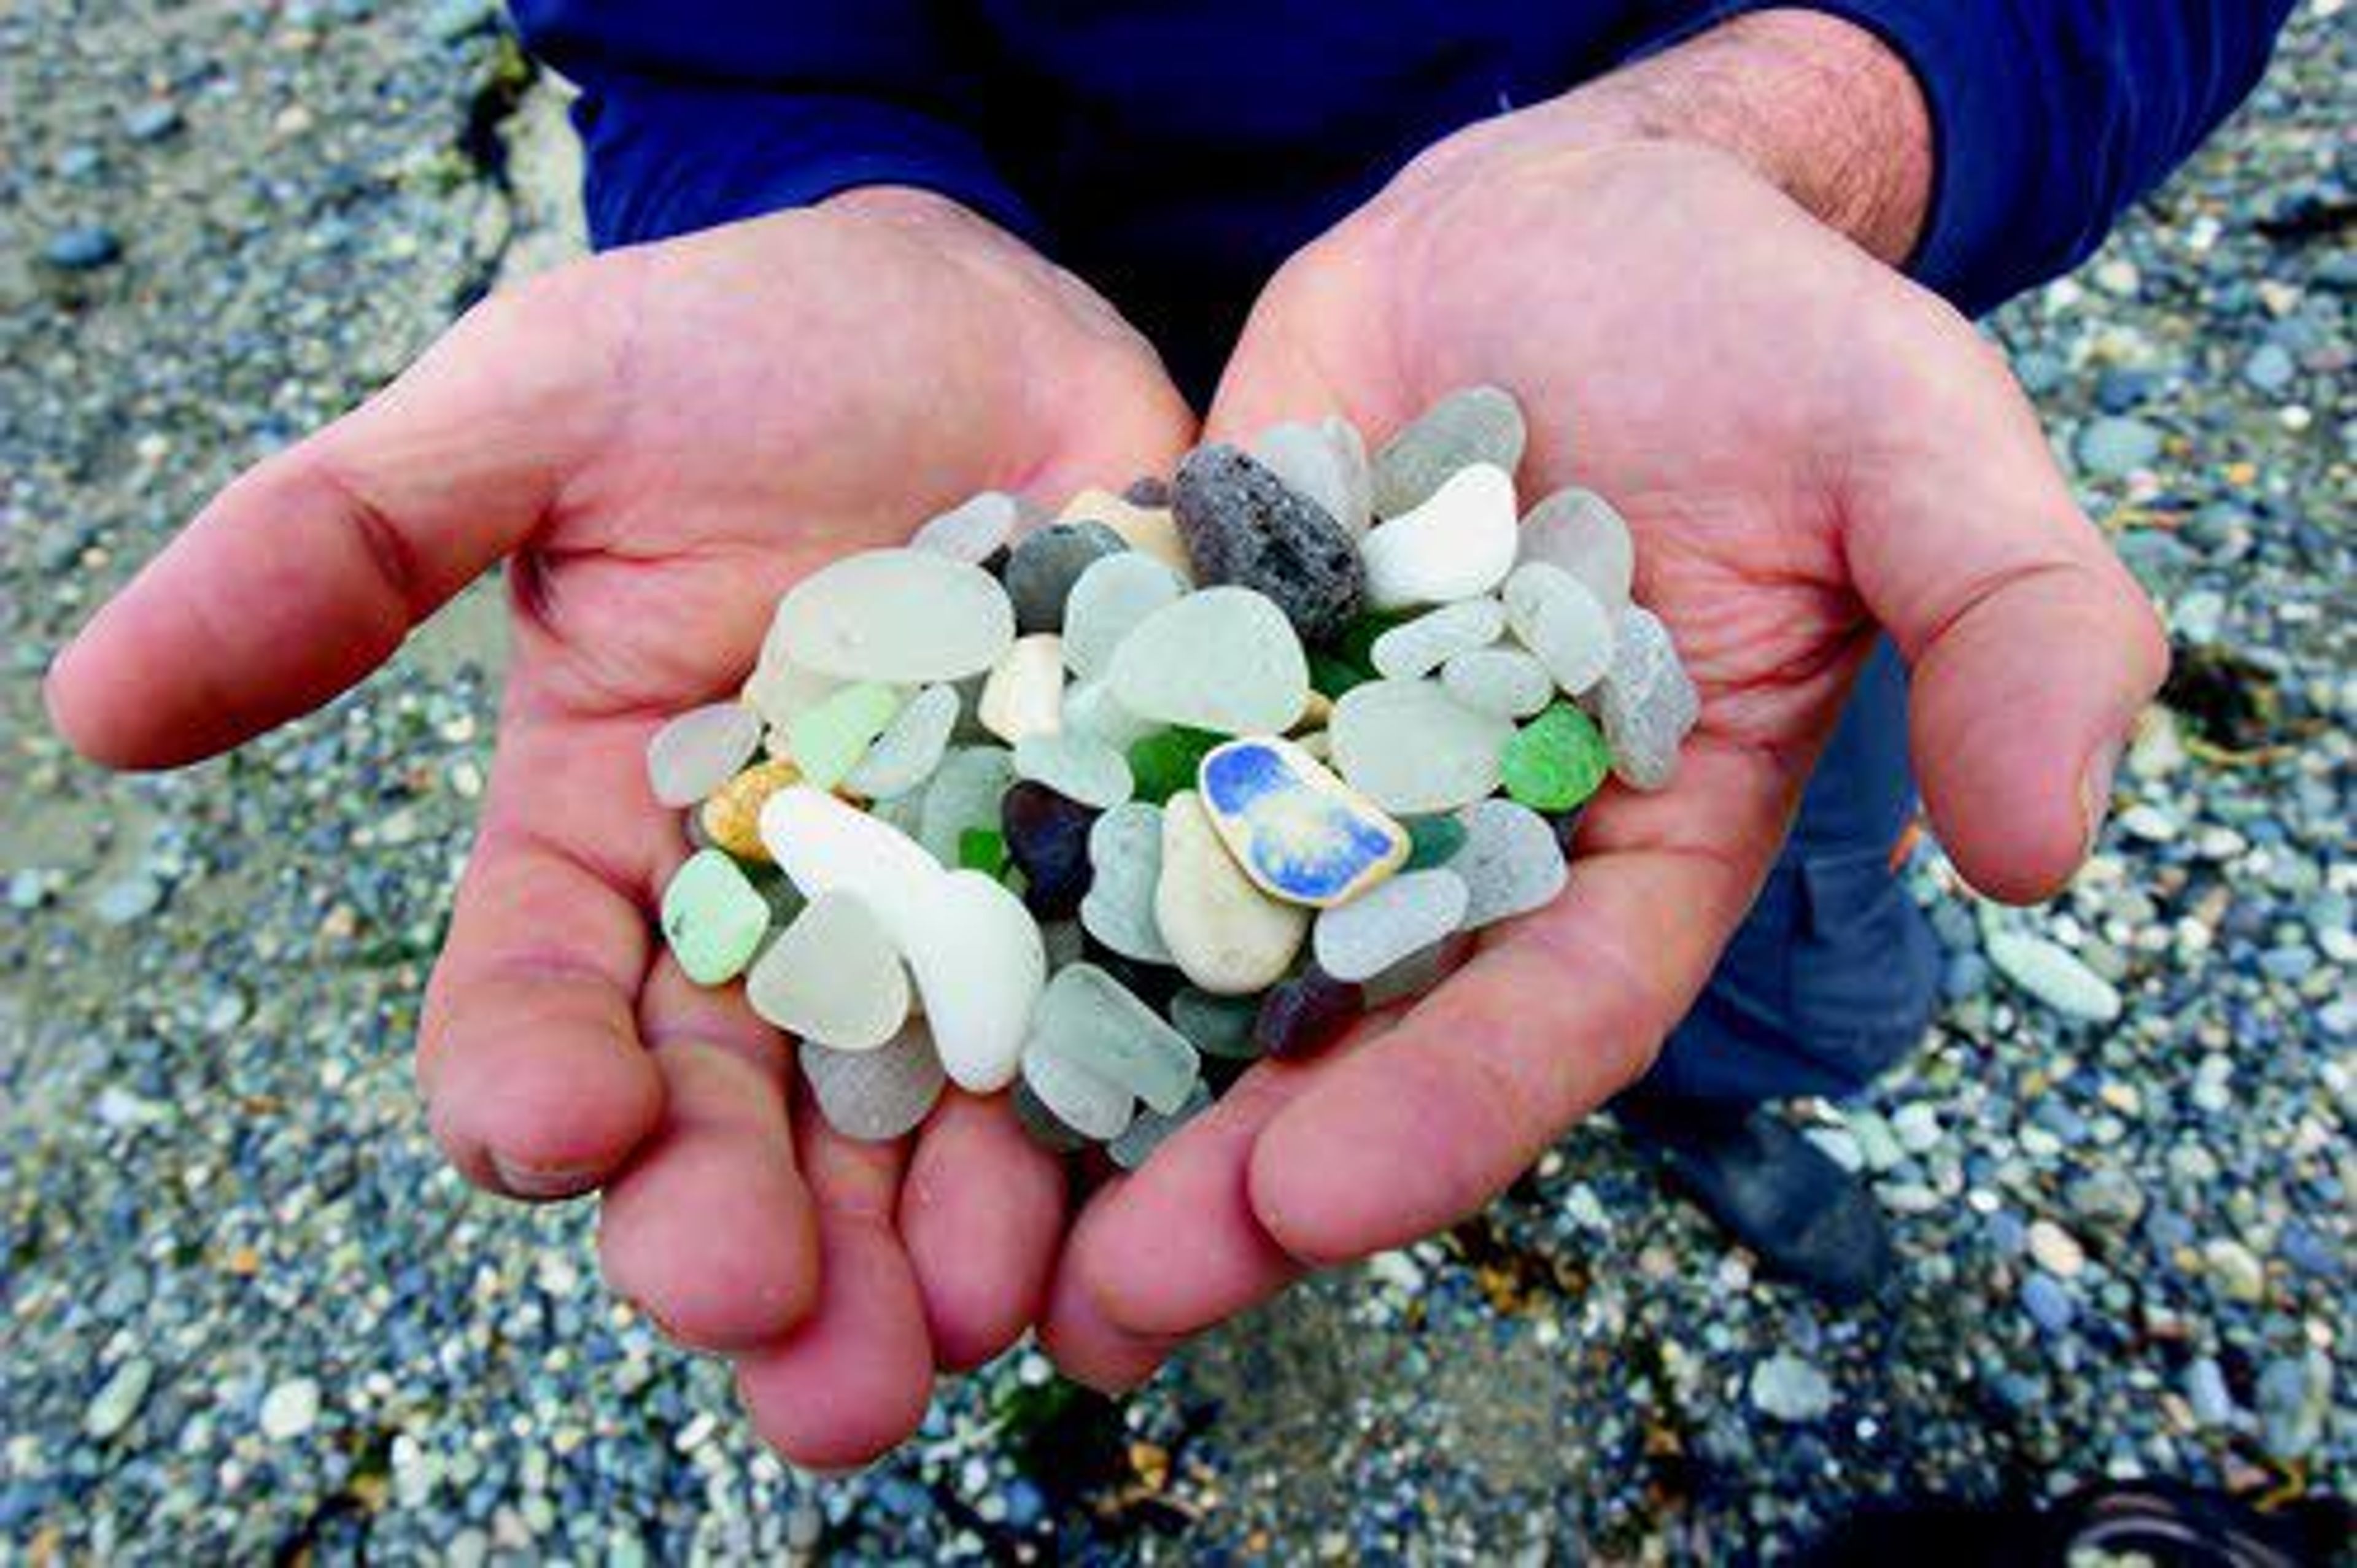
{"x": 1167, "y": 762}
{"x": 1080, "y": 767}
{"x": 1243, "y": 527}
{"x": 290, "y": 1409}
{"x": 1048, "y": 1130}
{"x": 1089, "y": 1019}
{"x": 2271, "y": 369}
{"x": 1788, "y": 1388}
{"x": 1916, "y": 1127}
{"x": 1218, "y": 1026}
{"x": 1506, "y": 683}
{"x": 82, "y": 248}
{"x": 828, "y": 741}
{"x": 1419, "y": 647}
{"x": 1044, "y": 565}
{"x": 1090, "y": 709}
{"x": 907, "y": 617}
{"x": 1047, "y": 836}
{"x": 1298, "y": 832}
{"x": 2048, "y": 1303}
{"x": 1645, "y": 702}
{"x": 1326, "y": 464}
{"x": 1224, "y": 659}
{"x": 1433, "y": 841}
{"x": 1412, "y": 749}
{"x": 1478, "y": 425}
{"x": 1567, "y": 627}
{"x": 2055, "y": 1250}
{"x": 1458, "y": 544}
{"x": 973, "y": 531}
{"x": 152, "y": 121}
{"x": 1125, "y": 857}
{"x": 2236, "y": 1270}
{"x": 713, "y": 919}
{"x": 1148, "y": 527}
{"x": 1079, "y": 1101}
{"x": 876, "y": 1096}
{"x": 1579, "y": 532}
{"x": 1107, "y": 604}
{"x": 2054, "y": 975}
{"x": 1303, "y": 1015}
{"x": 2115, "y": 447}
{"x": 1556, "y": 761}
{"x": 128, "y": 899}
{"x": 2206, "y": 1392}
{"x": 701, "y": 750}
{"x": 1227, "y": 935}
{"x": 979, "y": 963}
{"x": 1419, "y": 972}
{"x": 1025, "y": 693}
{"x": 1150, "y": 1129}
{"x": 974, "y": 952}
{"x": 833, "y": 976}
{"x": 1366, "y": 936}
{"x": 117, "y": 1402}
{"x": 1510, "y": 865}
{"x": 911, "y": 747}
{"x": 732, "y": 814}
{"x": 962, "y": 794}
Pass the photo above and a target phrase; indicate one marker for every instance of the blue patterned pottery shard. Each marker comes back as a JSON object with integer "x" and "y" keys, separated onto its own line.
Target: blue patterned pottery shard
{"x": 1299, "y": 833}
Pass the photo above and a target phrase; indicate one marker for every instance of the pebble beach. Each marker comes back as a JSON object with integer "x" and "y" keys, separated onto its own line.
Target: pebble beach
{"x": 251, "y": 1316}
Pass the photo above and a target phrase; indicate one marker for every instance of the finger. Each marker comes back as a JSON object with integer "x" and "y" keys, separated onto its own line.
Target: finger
{"x": 1089, "y": 1347}
{"x": 2031, "y": 647}
{"x": 536, "y": 1079}
{"x": 711, "y": 1229}
{"x": 1176, "y": 1247}
{"x": 981, "y": 1212}
{"x": 1559, "y": 1012}
{"x": 308, "y": 571}
{"x": 854, "y": 1379}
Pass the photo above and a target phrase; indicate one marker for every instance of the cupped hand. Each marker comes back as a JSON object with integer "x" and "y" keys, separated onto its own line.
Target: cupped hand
{"x": 1808, "y": 450}
{"x": 660, "y": 440}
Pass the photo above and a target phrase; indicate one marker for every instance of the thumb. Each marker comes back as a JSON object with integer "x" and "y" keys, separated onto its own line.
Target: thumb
{"x": 308, "y": 572}
{"x": 2031, "y": 647}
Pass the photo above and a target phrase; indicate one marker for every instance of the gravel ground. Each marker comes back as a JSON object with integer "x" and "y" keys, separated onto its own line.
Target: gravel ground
{"x": 250, "y": 1316}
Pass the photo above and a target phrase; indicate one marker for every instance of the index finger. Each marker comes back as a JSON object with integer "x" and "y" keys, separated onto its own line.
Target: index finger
{"x": 309, "y": 570}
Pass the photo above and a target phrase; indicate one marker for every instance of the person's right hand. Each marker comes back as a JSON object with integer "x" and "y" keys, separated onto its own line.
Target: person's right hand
{"x": 661, "y": 440}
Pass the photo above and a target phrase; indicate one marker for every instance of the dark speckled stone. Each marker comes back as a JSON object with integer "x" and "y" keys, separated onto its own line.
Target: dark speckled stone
{"x": 1242, "y": 525}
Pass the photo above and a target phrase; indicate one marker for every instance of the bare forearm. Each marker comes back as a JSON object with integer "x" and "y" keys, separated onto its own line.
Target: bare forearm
{"x": 1818, "y": 105}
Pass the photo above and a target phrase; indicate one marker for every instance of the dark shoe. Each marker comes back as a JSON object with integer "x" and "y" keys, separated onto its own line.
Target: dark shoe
{"x": 1810, "y": 1220}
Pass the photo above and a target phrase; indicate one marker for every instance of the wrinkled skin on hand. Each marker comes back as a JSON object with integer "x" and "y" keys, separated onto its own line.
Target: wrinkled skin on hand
{"x": 659, "y": 441}
{"x": 1808, "y": 450}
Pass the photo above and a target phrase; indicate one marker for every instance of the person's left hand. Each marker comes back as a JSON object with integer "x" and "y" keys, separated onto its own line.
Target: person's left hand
{"x": 1809, "y": 450}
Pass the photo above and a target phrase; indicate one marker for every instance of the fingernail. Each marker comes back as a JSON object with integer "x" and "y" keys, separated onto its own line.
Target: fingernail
{"x": 542, "y": 1181}
{"x": 2096, "y": 791}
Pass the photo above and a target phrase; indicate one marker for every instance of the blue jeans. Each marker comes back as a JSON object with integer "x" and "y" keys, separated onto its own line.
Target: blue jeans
{"x": 1832, "y": 978}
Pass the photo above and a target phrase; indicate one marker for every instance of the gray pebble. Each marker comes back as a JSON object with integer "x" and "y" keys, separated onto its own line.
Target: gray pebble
{"x": 2115, "y": 447}
{"x": 1473, "y": 425}
{"x": 1242, "y": 526}
{"x": 1043, "y": 566}
{"x": 82, "y": 248}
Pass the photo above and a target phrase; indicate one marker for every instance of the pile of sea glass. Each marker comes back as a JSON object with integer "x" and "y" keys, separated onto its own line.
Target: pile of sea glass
{"x": 1105, "y": 807}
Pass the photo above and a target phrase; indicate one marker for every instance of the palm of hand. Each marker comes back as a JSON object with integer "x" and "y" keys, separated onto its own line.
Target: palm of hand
{"x": 664, "y": 440}
{"x": 1804, "y": 445}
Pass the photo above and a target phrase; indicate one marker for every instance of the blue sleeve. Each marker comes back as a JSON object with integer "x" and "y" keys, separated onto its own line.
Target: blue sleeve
{"x": 2049, "y": 117}
{"x": 698, "y": 113}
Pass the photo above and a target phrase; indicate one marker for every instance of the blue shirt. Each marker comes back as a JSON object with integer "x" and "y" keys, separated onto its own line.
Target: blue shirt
{"x": 1175, "y": 153}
